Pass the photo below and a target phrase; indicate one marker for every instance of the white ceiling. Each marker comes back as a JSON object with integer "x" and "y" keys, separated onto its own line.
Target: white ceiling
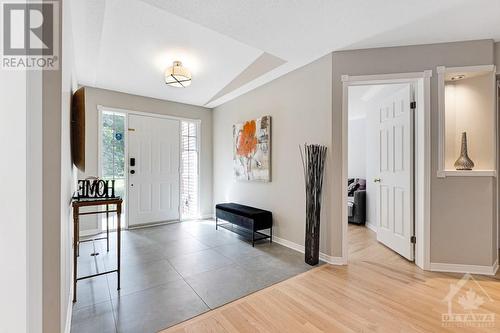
{"x": 125, "y": 45}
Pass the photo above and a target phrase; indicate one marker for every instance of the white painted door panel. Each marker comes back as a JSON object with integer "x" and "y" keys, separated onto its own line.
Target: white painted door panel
{"x": 154, "y": 185}
{"x": 395, "y": 182}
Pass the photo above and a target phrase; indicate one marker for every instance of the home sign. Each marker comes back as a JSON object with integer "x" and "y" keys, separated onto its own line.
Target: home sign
{"x": 95, "y": 189}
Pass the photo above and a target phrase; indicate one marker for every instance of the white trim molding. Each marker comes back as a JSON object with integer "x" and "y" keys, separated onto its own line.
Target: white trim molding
{"x": 383, "y": 78}
{"x": 421, "y": 82}
{"x": 300, "y": 248}
{"x": 371, "y": 226}
{"x": 69, "y": 310}
{"x": 459, "y": 268}
{"x": 144, "y": 113}
{"x": 442, "y": 172}
{"x": 466, "y": 173}
{"x": 339, "y": 261}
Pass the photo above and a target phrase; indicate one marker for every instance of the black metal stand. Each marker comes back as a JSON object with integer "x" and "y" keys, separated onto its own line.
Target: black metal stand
{"x": 76, "y": 236}
{"x": 255, "y": 236}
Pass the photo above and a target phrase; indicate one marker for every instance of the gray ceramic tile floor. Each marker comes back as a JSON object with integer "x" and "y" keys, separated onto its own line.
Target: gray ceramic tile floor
{"x": 171, "y": 273}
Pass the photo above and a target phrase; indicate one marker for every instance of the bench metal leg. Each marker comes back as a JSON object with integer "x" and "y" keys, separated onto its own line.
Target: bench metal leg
{"x": 271, "y": 235}
{"x": 253, "y": 233}
{"x": 216, "y": 219}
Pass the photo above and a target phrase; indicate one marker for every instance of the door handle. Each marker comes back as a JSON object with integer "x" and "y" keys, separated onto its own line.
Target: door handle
{"x": 377, "y": 180}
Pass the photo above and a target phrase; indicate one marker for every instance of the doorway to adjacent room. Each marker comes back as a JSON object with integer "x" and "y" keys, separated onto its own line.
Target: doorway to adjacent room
{"x": 386, "y": 144}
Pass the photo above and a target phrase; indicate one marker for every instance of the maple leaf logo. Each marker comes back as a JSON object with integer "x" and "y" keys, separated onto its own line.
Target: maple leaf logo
{"x": 471, "y": 301}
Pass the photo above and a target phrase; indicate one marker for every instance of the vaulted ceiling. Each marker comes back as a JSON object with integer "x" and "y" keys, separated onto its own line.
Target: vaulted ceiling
{"x": 234, "y": 46}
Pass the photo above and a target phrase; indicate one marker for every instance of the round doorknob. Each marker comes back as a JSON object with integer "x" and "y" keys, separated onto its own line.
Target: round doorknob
{"x": 377, "y": 180}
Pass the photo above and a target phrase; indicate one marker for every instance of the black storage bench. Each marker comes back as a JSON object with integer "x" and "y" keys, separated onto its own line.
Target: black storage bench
{"x": 249, "y": 219}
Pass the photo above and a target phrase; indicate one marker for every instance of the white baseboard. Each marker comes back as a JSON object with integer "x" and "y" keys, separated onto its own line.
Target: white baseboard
{"x": 371, "y": 226}
{"x": 300, "y": 248}
{"x": 149, "y": 225}
{"x": 287, "y": 243}
{"x": 207, "y": 216}
{"x": 332, "y": 260}
{"x": 69, "y": 311}
{"x": 458, "y": 268}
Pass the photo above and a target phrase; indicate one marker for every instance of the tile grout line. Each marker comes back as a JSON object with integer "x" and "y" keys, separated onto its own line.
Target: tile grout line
{"x": 182, "y": 277}
{"x": 201, "y": 239}
{"x": 111, "y": 301}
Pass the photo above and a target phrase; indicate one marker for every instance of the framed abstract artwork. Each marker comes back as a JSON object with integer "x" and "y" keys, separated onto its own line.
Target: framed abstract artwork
{"x": 252, "y": 150}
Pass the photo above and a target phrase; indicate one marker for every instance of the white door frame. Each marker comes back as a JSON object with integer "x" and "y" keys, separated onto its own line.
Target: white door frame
{"x": 128, "y": 112}
{"x": 421, "y": 82}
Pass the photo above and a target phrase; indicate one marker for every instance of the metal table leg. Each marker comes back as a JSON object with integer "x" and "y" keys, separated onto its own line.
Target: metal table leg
{"x": 119, "y": 231}
{"x": 107, "y": 227}
{"x": 75, "y": 248}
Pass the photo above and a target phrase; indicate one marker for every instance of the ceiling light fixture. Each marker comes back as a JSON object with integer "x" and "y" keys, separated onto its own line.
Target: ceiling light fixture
{"x": 458, "y": 77}
{"x": 177, "y": 75}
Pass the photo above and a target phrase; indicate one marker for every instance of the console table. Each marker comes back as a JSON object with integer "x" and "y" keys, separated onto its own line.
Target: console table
{"x": 77, "y": 203}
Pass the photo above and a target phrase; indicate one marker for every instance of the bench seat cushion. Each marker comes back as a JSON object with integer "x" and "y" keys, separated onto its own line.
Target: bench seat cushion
{"x": 262, "y": 219}
{"x": 243, "y": 210}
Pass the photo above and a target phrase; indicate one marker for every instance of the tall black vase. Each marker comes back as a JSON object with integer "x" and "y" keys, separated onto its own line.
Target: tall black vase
{"x": 312, "y": 238}
{"x": 313, "y": 160}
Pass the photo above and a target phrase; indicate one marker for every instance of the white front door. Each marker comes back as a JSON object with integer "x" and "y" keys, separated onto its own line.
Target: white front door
{"x": 395, "y": 181}
{"x": 154, "y": 179}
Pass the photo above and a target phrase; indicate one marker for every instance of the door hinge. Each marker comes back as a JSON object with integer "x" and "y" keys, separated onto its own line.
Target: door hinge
{"x": 413, "y": 239}
{"x": 413, "y": 105}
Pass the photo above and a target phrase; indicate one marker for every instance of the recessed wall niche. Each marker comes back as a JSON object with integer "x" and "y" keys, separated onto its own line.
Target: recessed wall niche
{"x": 467, "y": 104}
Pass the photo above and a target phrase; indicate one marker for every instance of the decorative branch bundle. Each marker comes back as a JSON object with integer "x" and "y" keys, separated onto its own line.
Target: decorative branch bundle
{"x": 313, "y": 160}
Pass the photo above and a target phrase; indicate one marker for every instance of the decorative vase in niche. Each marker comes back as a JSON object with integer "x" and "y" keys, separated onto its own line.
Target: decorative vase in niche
{"x": 464, "y": 162}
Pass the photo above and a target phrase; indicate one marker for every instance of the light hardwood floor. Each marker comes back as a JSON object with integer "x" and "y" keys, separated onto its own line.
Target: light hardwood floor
{"x": 378, "y": 291}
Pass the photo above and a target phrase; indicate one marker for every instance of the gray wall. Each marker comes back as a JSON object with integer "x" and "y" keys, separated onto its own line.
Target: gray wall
{"x": 497, "y": 63}
{"x": 463, "y": 213}
{"x": 52, "y": 184}
{"x": 114, "y": 99}
{"x": 497, "y": 56}
{"x": 300, "y": 106}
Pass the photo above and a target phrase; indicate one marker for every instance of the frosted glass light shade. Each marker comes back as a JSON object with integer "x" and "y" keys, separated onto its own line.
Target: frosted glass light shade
{"x": 177, "y": 75}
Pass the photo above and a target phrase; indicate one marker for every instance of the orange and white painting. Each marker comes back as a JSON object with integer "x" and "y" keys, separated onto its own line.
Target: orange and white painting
{"x": 252, "y": 150}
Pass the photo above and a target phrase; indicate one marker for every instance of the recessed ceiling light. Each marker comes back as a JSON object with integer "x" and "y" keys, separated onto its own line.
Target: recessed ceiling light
{"x": 177, "y": 75}
{"x": 458, "y": 77}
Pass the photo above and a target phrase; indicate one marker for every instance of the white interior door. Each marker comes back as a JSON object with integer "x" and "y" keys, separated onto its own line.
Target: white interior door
{"x": 395, "y": 182}
{"x": 154, "y": 180}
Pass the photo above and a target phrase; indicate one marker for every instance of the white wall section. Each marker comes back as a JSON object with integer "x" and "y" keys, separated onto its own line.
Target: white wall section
{"x": 357, "y": 148}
